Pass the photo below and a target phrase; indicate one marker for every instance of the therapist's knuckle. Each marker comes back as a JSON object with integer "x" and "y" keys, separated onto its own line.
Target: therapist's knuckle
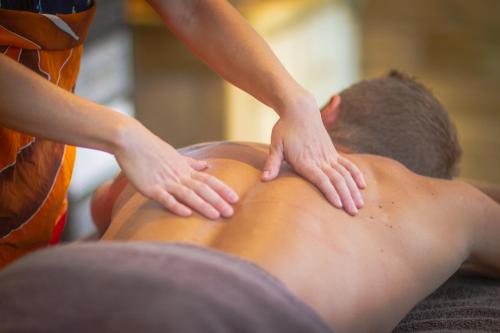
{"x": 324, "y": 184}
{"x": 327, "y": 188}
{"x": 342, "y": 170}
{"x": 185, "y": 193}
{"x": 351, "y": 173}
{"x": 341, "y": 187}
{"x": 316, "y": 178}
{"x": 348, "y": 162}
{"x": 337, "y": 177}
{"x": 170, "y": 184}
{"x": 219, "y": 204}
{"x": 185, "y": 179}
{"x": 204, "y": 189}
{"x": 166, "y": 200}
{"x": 201, "y": 176}
{"x": 325, "y": 166}
{"x": 170, "y": 203}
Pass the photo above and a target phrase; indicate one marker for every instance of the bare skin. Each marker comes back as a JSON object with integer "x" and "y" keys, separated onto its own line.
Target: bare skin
{"x": 152, "y": 165}
{"x": 412, "y": 235}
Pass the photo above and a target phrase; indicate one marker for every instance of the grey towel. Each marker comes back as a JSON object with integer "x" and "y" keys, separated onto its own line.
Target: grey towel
{"x": 146, "y": 287}
{"x": 462, "y": 304}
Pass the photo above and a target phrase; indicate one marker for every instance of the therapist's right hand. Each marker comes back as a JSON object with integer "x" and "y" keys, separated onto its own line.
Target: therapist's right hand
{"x": 177, "y": 182}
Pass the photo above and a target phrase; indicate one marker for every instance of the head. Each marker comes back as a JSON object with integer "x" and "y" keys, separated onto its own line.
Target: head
{"x": 396, "y": 117}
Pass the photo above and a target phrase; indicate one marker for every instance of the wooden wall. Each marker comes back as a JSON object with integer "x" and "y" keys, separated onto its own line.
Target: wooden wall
{"x": 453, "y": 46}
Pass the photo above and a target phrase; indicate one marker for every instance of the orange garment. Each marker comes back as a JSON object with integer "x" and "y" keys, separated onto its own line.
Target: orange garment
{"x": 34, "y": 172}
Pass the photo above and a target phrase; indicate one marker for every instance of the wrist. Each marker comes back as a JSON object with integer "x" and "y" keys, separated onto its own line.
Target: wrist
{"x": 122, "y": 132}
{"x": 297, "y": 103}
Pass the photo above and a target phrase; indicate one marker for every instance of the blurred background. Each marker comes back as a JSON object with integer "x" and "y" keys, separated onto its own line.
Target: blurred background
{"x": 135, "y": 65}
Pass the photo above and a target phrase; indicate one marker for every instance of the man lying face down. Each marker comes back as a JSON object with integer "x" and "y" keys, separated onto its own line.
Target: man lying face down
{"x": 356, "y": 274}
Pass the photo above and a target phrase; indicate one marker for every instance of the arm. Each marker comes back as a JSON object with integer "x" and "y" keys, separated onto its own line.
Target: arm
{"x": 491, "y": 190}
{"x": 103, "y": 201}
{"x": 484, "y": 215}
{"x": 222, "y": 39}
{"x": 154, "y": 167}
{"x": 35, "y": 106}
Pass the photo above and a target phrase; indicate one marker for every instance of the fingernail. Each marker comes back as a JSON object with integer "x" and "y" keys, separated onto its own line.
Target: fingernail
{"x": 233, "y": 197}
{"x": 186, "y": 212}
{"x": 266, "y": 174}
{"x": 214, "y": 215}
{"x": 228, "y": 212}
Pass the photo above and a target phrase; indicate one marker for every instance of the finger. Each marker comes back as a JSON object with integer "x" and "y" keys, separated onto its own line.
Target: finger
{"x": 351, "y": 185}
{"x": 210, "y": 196}
{"x": 226, "y": 192}
{"x": 354, "y": 171}
{"x": 198, "y": 165}
{"x": 190, "y": 198}
{"x": 170, "y": 203}
{"x": 273, "y": 163}
{"x": 341, "y": 188}
{"x": 316, "y": 176}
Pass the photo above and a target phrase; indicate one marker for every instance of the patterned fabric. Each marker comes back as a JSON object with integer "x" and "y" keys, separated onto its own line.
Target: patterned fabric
{"x": 47, "y": 6}
{"x": 463, "y": 304}
{"x": 35, "y": 173}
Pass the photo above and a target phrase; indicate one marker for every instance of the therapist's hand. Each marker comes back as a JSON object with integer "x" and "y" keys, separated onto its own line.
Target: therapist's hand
{"x": 177, "y": 182}
{"x": 301, "y": 139}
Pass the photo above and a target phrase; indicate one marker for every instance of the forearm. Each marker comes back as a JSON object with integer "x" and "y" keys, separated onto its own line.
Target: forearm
{"x": 222, "y": 38}
{"x": 33, "y": 105}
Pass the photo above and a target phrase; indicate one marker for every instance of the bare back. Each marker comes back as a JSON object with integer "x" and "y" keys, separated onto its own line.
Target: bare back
{"x": 360, "y": 273}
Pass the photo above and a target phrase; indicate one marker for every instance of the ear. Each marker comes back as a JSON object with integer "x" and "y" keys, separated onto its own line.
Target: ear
{"x": 330, "y": 111}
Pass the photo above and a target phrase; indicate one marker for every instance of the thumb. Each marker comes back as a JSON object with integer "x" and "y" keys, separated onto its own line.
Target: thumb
{"x": 197, "y": 164}
{"x": 273, "y": 163}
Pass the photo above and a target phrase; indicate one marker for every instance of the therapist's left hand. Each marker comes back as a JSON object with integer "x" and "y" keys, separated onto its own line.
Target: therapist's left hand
{"x": 301, "y": 139}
